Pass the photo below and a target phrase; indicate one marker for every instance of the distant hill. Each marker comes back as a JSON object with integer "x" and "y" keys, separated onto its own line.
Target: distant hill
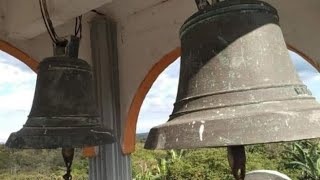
{"x": 2, "y": 141}
{"x": 141, "y": 137}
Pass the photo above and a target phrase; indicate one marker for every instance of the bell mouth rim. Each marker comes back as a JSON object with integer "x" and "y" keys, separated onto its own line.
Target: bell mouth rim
{"x": 59, "y": 137}
{"x": 225, "y": 7}
{"x": 162, "y": 137}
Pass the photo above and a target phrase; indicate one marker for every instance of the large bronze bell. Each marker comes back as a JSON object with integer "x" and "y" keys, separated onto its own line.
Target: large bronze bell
{"x": 64, "y": 112}
{"x": 237, "y": 83}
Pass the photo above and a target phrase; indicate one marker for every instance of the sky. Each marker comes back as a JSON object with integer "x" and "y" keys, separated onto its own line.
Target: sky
{"x": 17, "y": 84}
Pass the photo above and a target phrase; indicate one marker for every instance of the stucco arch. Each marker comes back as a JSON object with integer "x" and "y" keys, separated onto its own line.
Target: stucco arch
{"x": 128, "y": 144}
{"x": 20, "y": 55}
{"x": 129, "y": 135}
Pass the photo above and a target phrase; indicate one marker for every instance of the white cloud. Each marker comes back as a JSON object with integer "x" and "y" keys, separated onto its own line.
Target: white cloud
{"x": 162, "y": 94}
{"x": 145, "y": 124}
{"x": 3, "y": 136}
{"x": 17, "y": 100}
{"x": 14, "y": 121}
{"x": 16, "y": 88}
{"x": 14, "y": 75}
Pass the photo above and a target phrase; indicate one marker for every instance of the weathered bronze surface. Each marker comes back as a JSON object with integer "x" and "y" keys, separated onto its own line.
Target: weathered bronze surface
{"x": 237, "y": 83}
{"x": 64, "y": 112}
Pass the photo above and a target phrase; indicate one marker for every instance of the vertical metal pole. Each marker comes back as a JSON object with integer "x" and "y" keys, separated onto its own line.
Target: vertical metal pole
{"x": 110, "y": 164}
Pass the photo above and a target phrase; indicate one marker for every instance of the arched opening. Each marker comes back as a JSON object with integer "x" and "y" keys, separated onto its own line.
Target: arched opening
{"x": 128, "y": 145}
{"x": 158, "y": 103}
{"x": 17, "y": 85}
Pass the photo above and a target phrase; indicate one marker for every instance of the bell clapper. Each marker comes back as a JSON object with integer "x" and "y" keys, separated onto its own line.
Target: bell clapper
{"x": 67, "y": 154}
{"x": 237, "y": 161}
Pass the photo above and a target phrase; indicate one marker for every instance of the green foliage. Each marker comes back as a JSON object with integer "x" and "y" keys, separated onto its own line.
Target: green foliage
{"x": 300, "y": 161}
{"x": 212, "y": 163}
{"x": 201, "y": 164}
{"x": 304, "y": 155}
{"x": 39, "y": 164}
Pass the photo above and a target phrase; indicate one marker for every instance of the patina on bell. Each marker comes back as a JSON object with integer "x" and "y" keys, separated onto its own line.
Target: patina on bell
{"x": 64, "y": 112}
{"x": 237, "y": 83}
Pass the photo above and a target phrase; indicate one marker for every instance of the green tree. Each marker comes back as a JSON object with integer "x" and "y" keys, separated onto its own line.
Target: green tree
{"x": 21, "y": 164}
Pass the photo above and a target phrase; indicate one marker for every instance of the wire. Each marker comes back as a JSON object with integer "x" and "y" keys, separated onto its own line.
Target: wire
{"x": 48, "y": 23}
{"x": 45, "y": 22}
{"x": 78, "y": 26}
{"x": 75, "y": 27}
{"x": 48, "y": 20}
{"x": 49, "y": 26}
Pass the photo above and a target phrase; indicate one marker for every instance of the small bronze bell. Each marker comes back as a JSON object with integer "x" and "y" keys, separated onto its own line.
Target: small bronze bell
{"x": 64, "y": 112}
{"x": 237, "y": 83}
